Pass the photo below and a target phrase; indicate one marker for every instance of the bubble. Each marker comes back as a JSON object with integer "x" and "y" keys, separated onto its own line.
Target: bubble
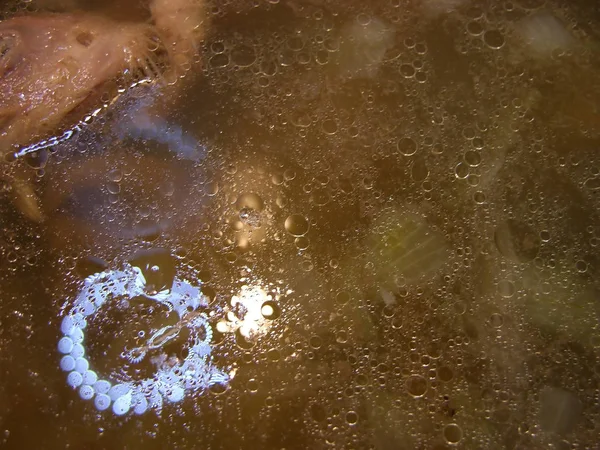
{"x": 474, "y": 28}
{"x": 506, "y": 288}
{"x": 407, "y": 146}
{"x": 341, "y": 336}
{"x": 342, "y": 297}
{"x": 176, "y": 395}
{"x": 81, "y": 365}
{"x": 141, "y": 406}
{"x": 252, "y": 385}
{"x": 218, "y": 61}
{"x": 477, "y": 143}
{"x": 421, "y": 76}
{"x": 452, "y": 433}
{"x": 87, "y": 308}
{"x": 593, "y": 184}
{"x": 351, "y": 418}
{"x": 68, "y": 325}
{"x": 86, "y": 392}
{"x": 407, "y": 70}
{"x": 122, "y": 404}
{"x": 113, "y": 188}
{"x": 74, "y": 379}
{"x": 297, "y": 225}
{"x": 102, "y": 402}
{"x": 479, "y": 197}
{"x": 302, "y": 243}
{"x": 329, "y": 126}
{"x": 416, "y": 385}
{"x": 493, "y": 39}
{"x": 90, "y": 377}
{"x": 67, "y": 363}
{"x": 65, "y": 345}
{"x": 496, "y": 320}
{"x": 472, "y": 158}
{"x": 461, "y": 171}
{"x": 211, "y": 189}
{"x": 118, "y": 390}
{"x": 102, "y": 386}
{"x": 419, "y": 171}
{"x": 77, "y": 351}
{"x": 77, "y": 335}
{"x": 316, "y": 342}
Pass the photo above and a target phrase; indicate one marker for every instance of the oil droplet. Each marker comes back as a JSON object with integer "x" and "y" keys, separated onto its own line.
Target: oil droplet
{"x": 297, "y": 225}
{"x": 493, "y": 39}
{"x": 496, "y": 320}
{"x": 416, "y": 385}
{"x": 452, "y": 433}
{"x": 211, "y": 189}
{"x": 407, "y": 146}
{"x": 302, "y": 243}
{"x": 461, "y": 171}
{"x": 506, "y": 288}
{"x": 352, "y": 418}
{"x": 342, "y": 298}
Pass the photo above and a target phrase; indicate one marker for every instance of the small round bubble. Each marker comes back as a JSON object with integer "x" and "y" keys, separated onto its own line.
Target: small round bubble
{"x": 65, "y": 345}
{"x": 79, "y": 321}
{"x": 88, "y": 308}
{"x": 176, "y": 395}
{"x": 68, "y": 325}
{"x": 141, "y": 407}
{"x": 102, "y": 402}
{"x": 67, "y": 363}
{"x": 118, "y": 390}
{"x": 77, "y": 335}
{"x": 78, "y": 351}
{"x": 81, "y": 365}
{"x": 122, "y": 405}
{"x": 74, "y": 379}
{"x": 90, "y": 377}
{"x": 86, "y": 392}
{"x": 102, "y": 386}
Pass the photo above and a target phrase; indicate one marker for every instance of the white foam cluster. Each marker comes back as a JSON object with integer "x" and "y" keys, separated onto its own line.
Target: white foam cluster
{"x": 170, "y": 382}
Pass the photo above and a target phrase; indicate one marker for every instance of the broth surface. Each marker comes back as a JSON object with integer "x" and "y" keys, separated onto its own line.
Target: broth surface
{"x": 391, "y": 209}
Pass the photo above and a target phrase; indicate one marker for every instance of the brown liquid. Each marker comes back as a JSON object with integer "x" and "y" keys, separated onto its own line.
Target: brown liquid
{"x": 437, "y": 279}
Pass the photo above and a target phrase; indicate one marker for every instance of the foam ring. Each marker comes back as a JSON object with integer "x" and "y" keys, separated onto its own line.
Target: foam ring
{"x": 170, "y": 382}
